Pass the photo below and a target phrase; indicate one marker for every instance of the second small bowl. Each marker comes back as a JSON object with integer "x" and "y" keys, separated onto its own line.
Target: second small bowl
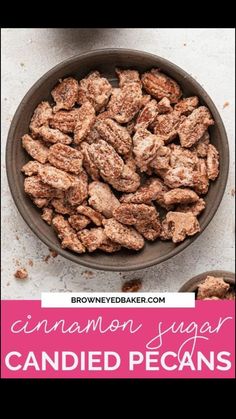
{"x": 192, "y": 284}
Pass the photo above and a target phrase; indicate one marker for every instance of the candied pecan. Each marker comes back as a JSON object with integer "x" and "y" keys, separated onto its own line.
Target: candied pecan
{"x": 95, "y": 238}
{"x": 151, "y": 190}
{"x": 93, "y": 215}
{"x": 144, "y": 100}
{"x": 179, "y": 176}
{"x": 159, "y": 85}
{"x": 194, "y": 126}
{"x": 106, "y": 159}
{"x": 79, "y": 191}
{"x": 65, "y": 94}
{"x": 72, "y": 242}
{"x": 129, "y": 180}
{"x": 64, "y": 120}
{"x": 201, "y": 147}
{"x": 130, "y": 213}
{"x": 53, "y": 135}
{"x": 160, "y": 172}
{"x": 212, "y": 162}
{"x": 78, "y": 221}
{"x": 180, "y": 196}
{"x": 85, "y": 119}
{"x": 196, "y": 208}
{"x": 31, "y": 168}
{"x": 165, "y": 233}
{"x": 212, "y": 287}
{"x": 65, "y": 158}
{"x": 129, "y": 160}
{"x": 160, "y": 196}
{"x": 109, "y": 246}
{"x": 55, "y": 177}
{"x": 34, "y": 187}
{"x": 67, "y": 235}
{"x": 21, "y": 273}
{"x": 103, "y": 115}
{"x": 88, "y": 164}
{"x": 92, "y": 239}
{"x": 182, "y": 224}
{"x": 92, "y": 136}
{"x": 201, "y": 181}
{"x": 125, "y": 236}
{"x": 182, "y": 165}
{"x": 187, "y": 105}
{"x": 166, "y": 125}
{"x": 164, "y": 106}
{"x": 95, "y": 89}
{"x": 150, "y": 229}
{"x": 35, "y": 148}
{"x": 47, "y": 215}
{"x": 41, "y": 202}
{"x": 41, "y": 116}
{"x": 143, "y": 217}
{"x": 115, "y": 135}
{"x": 145, "y": 148}
{"x": 162, "y": 159}
{"x": 127, "y": 77}
{"x": 102, "y": 199}
{"x": 125, "y": 102}
{"x": 61, "y": 206}
{"x": 147, "y": 115}
{"x": 182, "y": 157}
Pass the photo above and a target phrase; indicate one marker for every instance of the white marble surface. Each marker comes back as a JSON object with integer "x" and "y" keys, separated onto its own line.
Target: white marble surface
{"x": 207, "y": 54}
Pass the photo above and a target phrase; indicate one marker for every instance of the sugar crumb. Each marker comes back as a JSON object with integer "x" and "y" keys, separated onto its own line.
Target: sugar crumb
{"x": 88, "y": 274}
{"x": 53, "y": 253}
{"x": 225, "y": 104}
{"x": 21, "y": 273}
{"x": 134, "y": 285}
{"x": 46, "y": 258}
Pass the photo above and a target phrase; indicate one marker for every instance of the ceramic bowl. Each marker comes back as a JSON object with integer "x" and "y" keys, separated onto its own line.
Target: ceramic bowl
{"x": 79, "y": 66}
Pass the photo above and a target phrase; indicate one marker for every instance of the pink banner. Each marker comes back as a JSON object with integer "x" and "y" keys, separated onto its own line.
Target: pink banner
{"x": 118, "y": 343}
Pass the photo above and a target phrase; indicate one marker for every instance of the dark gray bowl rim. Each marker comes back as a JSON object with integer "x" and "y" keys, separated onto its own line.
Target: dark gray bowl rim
{"x": 72, "y": 256}
{"x": 192, "y": 284}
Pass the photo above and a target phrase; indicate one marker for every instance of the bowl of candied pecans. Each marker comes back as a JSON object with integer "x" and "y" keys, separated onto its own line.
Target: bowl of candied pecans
{"x": 212, "y": 285}
{"x": 117, "y": 159}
